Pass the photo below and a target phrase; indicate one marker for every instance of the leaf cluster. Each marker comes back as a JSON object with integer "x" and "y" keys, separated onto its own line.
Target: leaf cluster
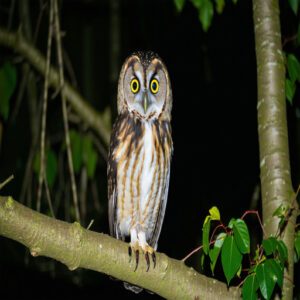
{"x": 84, "y": 154}
{"x": 232, "y": 243}
{"x": 205, "y": 8}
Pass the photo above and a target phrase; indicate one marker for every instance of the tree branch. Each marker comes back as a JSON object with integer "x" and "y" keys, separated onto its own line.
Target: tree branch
{"x": 275, "y": 175}
{"x": 16, "y": 41}
{"x": 77, "y": 247}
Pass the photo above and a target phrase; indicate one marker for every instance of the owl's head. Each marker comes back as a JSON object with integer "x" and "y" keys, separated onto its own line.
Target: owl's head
{"x": 144, "y": 87}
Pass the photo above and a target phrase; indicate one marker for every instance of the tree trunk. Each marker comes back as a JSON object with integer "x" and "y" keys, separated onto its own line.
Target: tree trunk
{"x": 276, "y": 185}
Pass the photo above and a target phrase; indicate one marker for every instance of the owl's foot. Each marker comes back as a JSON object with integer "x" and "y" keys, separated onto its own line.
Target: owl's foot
{"x": 146, "y": 249}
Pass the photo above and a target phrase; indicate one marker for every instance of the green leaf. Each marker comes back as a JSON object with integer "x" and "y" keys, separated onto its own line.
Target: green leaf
{"x": 265, "y": 279}
{"x": 234, "y": 1}
{"x": 257, "y": 254}
{"x": 214, "y": 253}
{"x": 231, "y": 258}
{"x": 241, "y": 236}
{"x": 282, "y": 251}
{"x": 270, "y": 245}
{"x": 220, "y": 4}
{"x": 179, "y": 4}
{"x": 276, "y": 271}
{"x": 206, "y": 13}
{"x": 290, "y": 88}
{"x": 90, "y": 156}
{"x": 8, "y": 79}
{"x": 76, "y": 146}
{"x": 215, "y": 213}
{"x": 250, "y": 287}
{"x": 231, "y": 222}
{"x": 205, "y": 234}
{"x": 294, "y": 6}
{"x": 202, "y": 259}
{"x": 198, "y": 3}
{"x": 293, "y": 67}
{"x": 297, "y": 245}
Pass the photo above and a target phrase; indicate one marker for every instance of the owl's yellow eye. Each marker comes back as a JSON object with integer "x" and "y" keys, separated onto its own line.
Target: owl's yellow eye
{"x": 154, "y": 86}
{"x": 134, "y": 85}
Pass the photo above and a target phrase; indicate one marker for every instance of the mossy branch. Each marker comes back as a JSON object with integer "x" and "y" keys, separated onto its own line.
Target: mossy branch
{"x": 77, "y": 247}
{"x": 17, "y": 42}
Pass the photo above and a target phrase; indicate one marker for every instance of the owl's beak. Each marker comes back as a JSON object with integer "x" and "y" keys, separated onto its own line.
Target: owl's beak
{"x": 146, "y": 101}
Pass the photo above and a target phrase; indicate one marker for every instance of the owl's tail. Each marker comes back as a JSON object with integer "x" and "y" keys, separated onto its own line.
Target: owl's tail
{"x": 134, "y": 288}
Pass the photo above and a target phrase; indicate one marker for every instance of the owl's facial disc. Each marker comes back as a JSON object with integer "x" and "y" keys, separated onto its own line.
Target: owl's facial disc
{"x": 145, "y": 88}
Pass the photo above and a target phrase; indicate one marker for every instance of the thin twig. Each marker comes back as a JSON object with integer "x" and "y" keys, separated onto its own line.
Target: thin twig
{"x": 44, "y": 112}
{"x": 101, "y": 149}
{"x": 90, "y": 225}
{"x": 27, "y": 178}
{"x": 83, "y": 193}
{"x": 88, "y": 114}
{"x": 254, "y": 212}
{"x": 49, "y": 197}
{"x": 191, "y": 253}
{"x": 64, "y": 109}
{"x": 6, "y": 181}
{"x": 70, "y": 69}
{"x": 43, "y": 6}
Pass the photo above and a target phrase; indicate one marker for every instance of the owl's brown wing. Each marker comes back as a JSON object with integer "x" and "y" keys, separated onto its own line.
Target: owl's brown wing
{"x": 112, "y": 197}
{"x": 112, "y": 180}
{"x": 161, "y": 213}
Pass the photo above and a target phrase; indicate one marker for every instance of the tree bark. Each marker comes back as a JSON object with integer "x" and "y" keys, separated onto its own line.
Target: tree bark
{"x": 17, "y": 42}
{"x": 276, "y": 185}
{"x": 77, "y": 247}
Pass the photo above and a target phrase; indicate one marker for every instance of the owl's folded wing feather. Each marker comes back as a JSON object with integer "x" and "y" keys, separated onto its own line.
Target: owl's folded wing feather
{"x": 161, "y": 213}
{"x": 112, "y": 181}
{"x": 112, "y": 198}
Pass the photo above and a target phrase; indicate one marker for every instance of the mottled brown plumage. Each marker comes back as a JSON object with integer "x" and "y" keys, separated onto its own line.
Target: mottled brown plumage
{"x": 140, "y": 154}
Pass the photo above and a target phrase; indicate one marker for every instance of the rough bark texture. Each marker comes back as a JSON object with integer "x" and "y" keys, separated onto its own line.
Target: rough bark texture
{"x": 77, "y": 247}
{"x": 276, "y": 183}
{"x": 17, "y": 42}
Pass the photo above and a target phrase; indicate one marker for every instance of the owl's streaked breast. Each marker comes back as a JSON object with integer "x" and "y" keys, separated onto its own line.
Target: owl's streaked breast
{"x": 143, "y": 161}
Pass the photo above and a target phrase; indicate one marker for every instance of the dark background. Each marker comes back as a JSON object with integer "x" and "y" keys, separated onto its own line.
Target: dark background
{"x": 216, "y": 154}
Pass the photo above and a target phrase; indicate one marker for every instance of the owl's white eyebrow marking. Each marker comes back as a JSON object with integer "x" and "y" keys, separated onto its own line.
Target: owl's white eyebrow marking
{"x": 151, "y": 75}
{"x": 139, "y": 76}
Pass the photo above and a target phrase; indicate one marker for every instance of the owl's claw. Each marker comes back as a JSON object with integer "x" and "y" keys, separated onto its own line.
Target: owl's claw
{"x": 129, "y": 253}
{"x": 153, "y": 259}
{"x": 147, "y": 261}
{"x": 147, "y": 250}
{"x": 137, "y": 255}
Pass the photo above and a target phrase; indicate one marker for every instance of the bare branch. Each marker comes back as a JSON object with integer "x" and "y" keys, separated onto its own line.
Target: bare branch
{"x": 16, "y": 41}
{"x": 42, "y": 173}
{"x": 6, "y": 181}
{"x": 77, "y": 247}
{"x": 64, "y": 108}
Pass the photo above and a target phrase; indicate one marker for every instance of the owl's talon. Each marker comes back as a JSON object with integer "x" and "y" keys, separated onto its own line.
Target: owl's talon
{"x": 137, "y": 254}
{"x": 153, "y": 259}
{"x": 147, "y": 261}
{"x": 129, "y": 253}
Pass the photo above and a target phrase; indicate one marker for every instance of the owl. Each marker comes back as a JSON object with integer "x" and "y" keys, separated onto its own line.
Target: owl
{"x": 140, "y": 155}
